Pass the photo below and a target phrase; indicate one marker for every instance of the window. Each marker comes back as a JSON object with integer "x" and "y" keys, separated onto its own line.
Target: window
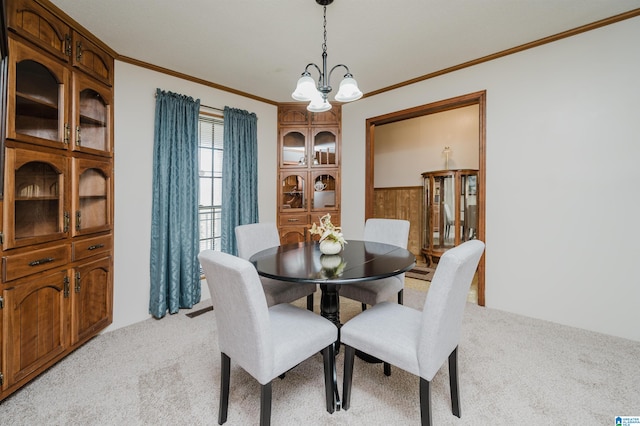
{"x": 210, "y": 135}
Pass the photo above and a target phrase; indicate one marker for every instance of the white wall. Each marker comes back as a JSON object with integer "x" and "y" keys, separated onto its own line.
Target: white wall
{"x": 563, "y": 146}
{"x": 135, "y": 89}
{"x": 403, "y": 150}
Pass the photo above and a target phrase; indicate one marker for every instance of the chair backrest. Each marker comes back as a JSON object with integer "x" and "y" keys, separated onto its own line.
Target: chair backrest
{"x": 444, "y": 307}
{"x": 242, "y": 317}
{"x": 255, "y": 237}
{"x": 388, "y": 231}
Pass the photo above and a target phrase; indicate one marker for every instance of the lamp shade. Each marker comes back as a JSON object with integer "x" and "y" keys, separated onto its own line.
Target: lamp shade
{"x": 348, "y": 91}
{"x": 305, "y": 89}
{"x": 318, "y": 104}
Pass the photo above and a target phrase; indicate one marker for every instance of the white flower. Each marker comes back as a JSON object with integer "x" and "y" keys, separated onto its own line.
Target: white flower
{"x": 327, "y": 230}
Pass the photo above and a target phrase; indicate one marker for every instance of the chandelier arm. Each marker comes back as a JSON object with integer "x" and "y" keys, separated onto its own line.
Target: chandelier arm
{"x": 306, "y": 69}
{"x": 348, "y": 74}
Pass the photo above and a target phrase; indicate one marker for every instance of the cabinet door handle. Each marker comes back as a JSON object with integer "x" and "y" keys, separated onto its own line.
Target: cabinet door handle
{"x": 41, "y": 261}
{"x": 67, "y": 45}
{"x": 67, "y": 218}
{"x": 78, "y": 51}
{"x": 67, "y": 133}
{"x": 95, "y": 246}
{"x": 293, "y": 220}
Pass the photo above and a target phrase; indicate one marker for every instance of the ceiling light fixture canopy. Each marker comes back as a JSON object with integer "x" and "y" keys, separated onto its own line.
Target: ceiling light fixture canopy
{"x": 316, "y": 94}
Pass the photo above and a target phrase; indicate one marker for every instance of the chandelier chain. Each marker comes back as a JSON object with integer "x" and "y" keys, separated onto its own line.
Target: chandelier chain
{"x": 324, "y": 45}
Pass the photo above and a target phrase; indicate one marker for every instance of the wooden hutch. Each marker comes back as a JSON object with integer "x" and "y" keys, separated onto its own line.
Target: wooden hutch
{"x": 308, "y": 169}
{"x": 57, "y": 206}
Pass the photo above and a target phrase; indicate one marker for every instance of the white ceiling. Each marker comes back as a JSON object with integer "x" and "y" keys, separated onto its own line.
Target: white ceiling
{"x": 261, "y": 47}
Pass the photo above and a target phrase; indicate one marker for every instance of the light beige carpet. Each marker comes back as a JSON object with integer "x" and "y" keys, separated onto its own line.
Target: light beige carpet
{"x": 513, "y": 370}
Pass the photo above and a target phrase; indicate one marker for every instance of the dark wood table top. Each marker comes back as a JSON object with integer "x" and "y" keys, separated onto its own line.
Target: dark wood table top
{"x": 359, "y": 261}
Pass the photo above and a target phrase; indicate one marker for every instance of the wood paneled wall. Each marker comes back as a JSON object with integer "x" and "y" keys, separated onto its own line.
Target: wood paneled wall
{"x": 402, "y": 203}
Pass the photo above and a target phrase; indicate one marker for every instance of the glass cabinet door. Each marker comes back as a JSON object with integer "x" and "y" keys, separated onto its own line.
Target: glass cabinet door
{"x": 92, "y": 196}
{"x": 36, "y": 102}
{"x": 448, "y": 207}
{"x": 324, "y": 147}
{"x": 293, "y": 192}
{"x": 34, "y": 210}
{"x": 93, "y": 116}
{"x": 325, "y": 190}
{"x": 469, "y": 207}
{"x": 293, "y": 148}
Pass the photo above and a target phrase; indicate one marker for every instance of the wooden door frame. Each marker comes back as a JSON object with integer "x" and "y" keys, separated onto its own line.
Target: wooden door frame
{"x": 477, "y": 98}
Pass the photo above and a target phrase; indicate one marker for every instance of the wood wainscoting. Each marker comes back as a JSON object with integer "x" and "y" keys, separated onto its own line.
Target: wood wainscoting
{"x": 402, "y": 203}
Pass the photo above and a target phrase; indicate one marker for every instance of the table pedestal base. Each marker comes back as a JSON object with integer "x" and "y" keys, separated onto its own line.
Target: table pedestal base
{"x": 330, "y": 303}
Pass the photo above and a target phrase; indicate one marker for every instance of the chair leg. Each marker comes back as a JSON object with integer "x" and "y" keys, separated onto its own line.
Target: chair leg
{"x": 387, "y": 366}
{"x": 310, "y": 302}
{"x": 349, "y": 354}
{"x": 425, "y": 402}
{"x": 453, "y": 382}
{"x": 364, "y": 306}
{"x": 225, "y": 372}
{"x": 330, "y": 379}
{"x": 265, "y": 404}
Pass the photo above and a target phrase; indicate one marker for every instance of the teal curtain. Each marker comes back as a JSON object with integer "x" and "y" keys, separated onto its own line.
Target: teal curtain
{"x": 175, "y": 271}
{"x": 240, "y": 174}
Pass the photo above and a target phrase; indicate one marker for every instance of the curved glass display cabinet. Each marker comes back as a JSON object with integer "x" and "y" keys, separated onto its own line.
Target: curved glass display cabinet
{"x": 450, "y": 210}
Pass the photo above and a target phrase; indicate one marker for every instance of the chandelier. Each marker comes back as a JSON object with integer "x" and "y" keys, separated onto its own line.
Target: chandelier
{"x": 316, "y": 94}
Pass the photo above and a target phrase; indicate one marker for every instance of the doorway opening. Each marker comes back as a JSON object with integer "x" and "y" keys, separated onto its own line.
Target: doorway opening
{"x": 477, "y": 98}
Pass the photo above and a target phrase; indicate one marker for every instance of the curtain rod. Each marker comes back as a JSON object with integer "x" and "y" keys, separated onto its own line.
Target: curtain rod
{"x": 205, "y": 106}
{"x": 210, "y": 107}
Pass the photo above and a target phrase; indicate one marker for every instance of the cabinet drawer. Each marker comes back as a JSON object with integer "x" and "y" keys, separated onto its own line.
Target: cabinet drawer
{"x": 21, "y": 265}
{"x": 293, "y": 219}
{"x": 91, "y": 247}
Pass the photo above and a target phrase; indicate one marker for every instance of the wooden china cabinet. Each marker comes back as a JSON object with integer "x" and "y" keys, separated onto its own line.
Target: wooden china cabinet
{"x": 308, "y": 169}
{"x": 57, "y": 207}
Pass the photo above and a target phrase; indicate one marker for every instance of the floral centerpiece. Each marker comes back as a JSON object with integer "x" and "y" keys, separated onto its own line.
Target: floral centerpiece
{"x": 331, "y": 239}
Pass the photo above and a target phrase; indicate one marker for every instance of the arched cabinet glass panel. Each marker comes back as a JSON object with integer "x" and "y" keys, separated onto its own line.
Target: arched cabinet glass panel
{"x": 324, "y": 191}
{"x": 38, "y": 207}
{"x": 292, "y": 192}
{"x": 34, "y": 201}
{"x": 294, "y": 145}
{"x": 92, "y": 182}
{"x": 36, "y": 103}
{"x": 92, "y": 120}
{"x": 324, "y": 148}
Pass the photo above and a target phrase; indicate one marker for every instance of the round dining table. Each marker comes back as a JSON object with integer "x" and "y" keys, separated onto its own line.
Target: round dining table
{"x": 359, "y": 261}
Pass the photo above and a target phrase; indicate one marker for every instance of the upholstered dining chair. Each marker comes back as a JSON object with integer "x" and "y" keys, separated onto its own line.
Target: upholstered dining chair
{"x": 418, "y": 342}
{"x": 255, "y": 237}
{"x": 388, "y": 231}
{"x": 264, "y": 341}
